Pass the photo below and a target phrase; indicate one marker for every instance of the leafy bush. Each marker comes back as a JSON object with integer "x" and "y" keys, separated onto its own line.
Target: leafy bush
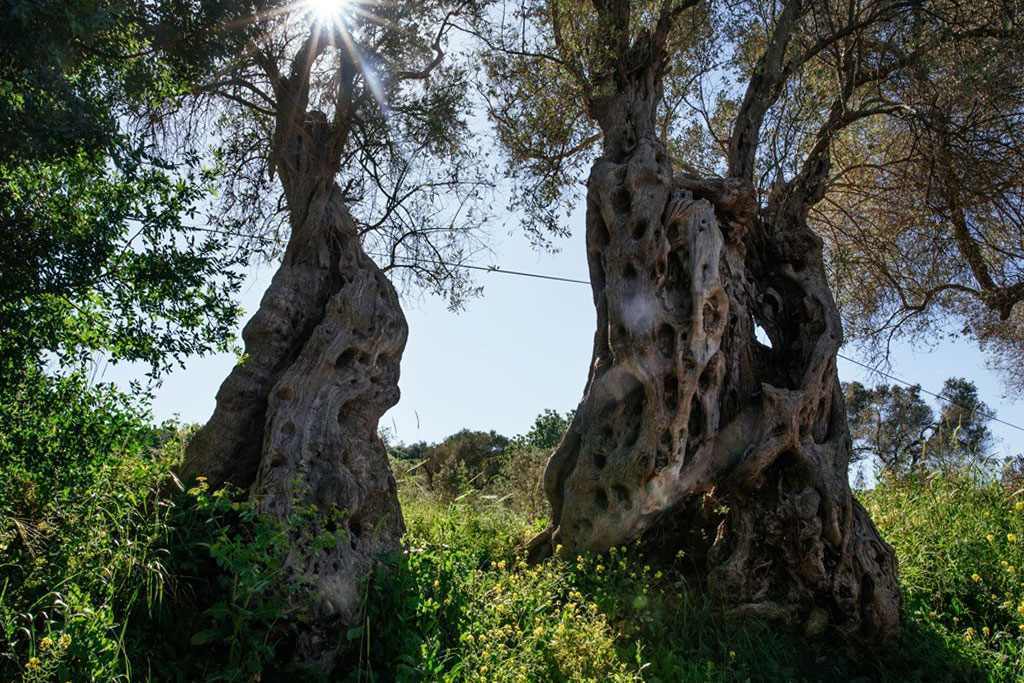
{"x": 109, "y": 571}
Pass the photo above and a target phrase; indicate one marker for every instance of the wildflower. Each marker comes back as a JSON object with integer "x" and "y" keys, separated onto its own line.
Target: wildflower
{"x": 1012, "y": 538}
{"x": 975, "y": 578}
{"x": 539, "y": 631}
{"x": 658, "y": 574}
{"x": 1019, "y": 505}
{"x": 969, "y": 634}
{"x": 985, "y": 631}
{"x": 1020, "y": 627}
{"x": 732, "y": 654}
{"x": 46, "y": 643}
{"x": 64, "y": 640}
{"x": 437, "y": 584}
{"x": 989, "y": 537}
{"x": 32, "y": 664}
{"x": 599, "y": 568}
{"x": 501, "y": 565}
{"x": 1020, "y": 609}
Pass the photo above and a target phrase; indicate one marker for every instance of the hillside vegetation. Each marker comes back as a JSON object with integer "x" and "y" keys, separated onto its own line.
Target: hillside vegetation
{"x": 110, "y": 571}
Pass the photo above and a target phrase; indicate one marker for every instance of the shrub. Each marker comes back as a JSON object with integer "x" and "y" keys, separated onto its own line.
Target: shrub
{"x": 81, "y": 536}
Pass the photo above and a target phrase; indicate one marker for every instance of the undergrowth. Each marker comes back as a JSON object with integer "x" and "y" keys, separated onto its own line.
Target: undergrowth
{"x": 109, "y": 571}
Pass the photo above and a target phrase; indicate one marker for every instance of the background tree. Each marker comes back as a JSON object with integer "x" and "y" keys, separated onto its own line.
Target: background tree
{"x": 895, "y": 426}
{"x": 750, "y": 101}
{"x": 546, "y": 431}
{"x": 465, "y": 458}
{"x": 99, "y": 253}
{"x": 961, "y": 436}
{"x": 889, "y": 423}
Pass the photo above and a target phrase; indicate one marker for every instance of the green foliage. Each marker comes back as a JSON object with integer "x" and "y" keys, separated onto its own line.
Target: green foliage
{"x": 547, "y": 430}
{"x": 110, "y": 572}
{"x": 899, "y": 430}
{"x": 462, "y": 604}
{"x": 58, "y": 435}
{"x": 98, "y": 252}
{"x": 82, "y": 534}
{"x": 960, "y": 543}
{"x": 238, "y": 599}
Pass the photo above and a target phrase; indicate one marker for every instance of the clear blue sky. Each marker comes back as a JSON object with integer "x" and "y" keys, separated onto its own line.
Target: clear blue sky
{"x": 525, "y": 346}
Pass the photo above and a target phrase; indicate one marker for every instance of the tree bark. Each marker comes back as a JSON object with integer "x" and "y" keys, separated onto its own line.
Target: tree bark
{"x": 686, "y": 415}
{"x": 296, "y": 420}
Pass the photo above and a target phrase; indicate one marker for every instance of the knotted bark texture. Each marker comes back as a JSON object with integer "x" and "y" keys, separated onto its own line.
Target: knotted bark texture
{"x": 684, "y": 409}
{"x": 297, "y": 420}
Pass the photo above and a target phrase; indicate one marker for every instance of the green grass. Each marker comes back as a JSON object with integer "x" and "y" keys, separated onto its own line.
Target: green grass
{"x": 114, "y": 574}
{"x": 462, "y": 604}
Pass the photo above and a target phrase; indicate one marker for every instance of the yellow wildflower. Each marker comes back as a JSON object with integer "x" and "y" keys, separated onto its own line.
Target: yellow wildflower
{"x": 64, "y": 640}
{"x": 1019, "y": 505}
{"x": 1012, "y": 538}
{"x": 989, "y": 537}
{"x": 975, "y": 578}
{"x": 45, "y": 643}
{"x": 985, "y": 631}
{"x": 32, "y": 664}
{"x": 969, "y": 634}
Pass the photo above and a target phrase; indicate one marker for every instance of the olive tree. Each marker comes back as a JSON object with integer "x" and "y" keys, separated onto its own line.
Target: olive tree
{"x": 710, "y": 131}
{"x": 340, "y": 127}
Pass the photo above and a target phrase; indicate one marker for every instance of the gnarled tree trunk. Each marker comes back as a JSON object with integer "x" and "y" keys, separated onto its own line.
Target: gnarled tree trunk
{"x": 297, "y": 420}
{"x": 683, "y": 405}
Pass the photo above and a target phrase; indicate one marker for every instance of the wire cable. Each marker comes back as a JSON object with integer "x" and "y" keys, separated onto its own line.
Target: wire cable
{"x": 557, "y": 278}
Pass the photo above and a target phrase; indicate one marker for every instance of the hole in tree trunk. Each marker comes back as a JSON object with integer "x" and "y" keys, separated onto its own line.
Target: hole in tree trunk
{"x": 671, "y": 393}
{"x": 621, "y": 200}
{"x": 695, "y": 426}
{"x": 666, "y": 340}
{"x": 639, "y": 228}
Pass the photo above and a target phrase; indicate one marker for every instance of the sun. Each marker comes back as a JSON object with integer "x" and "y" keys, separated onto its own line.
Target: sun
{"x": 326, "y": 11}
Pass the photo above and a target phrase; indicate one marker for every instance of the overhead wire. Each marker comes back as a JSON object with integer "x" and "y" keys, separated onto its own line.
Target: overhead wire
{"x": 557, "y": 278}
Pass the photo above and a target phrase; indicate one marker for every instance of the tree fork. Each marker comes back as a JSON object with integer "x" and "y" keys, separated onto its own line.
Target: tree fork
{"x": 682, "y": 401}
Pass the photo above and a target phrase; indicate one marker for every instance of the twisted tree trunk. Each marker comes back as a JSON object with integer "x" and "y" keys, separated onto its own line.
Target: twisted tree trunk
{"x": 684, "y": 407}
{"x": 297, "y": 420}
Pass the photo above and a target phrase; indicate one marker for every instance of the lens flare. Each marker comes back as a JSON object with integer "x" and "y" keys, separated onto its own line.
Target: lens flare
{"x": 326, "y": 11}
